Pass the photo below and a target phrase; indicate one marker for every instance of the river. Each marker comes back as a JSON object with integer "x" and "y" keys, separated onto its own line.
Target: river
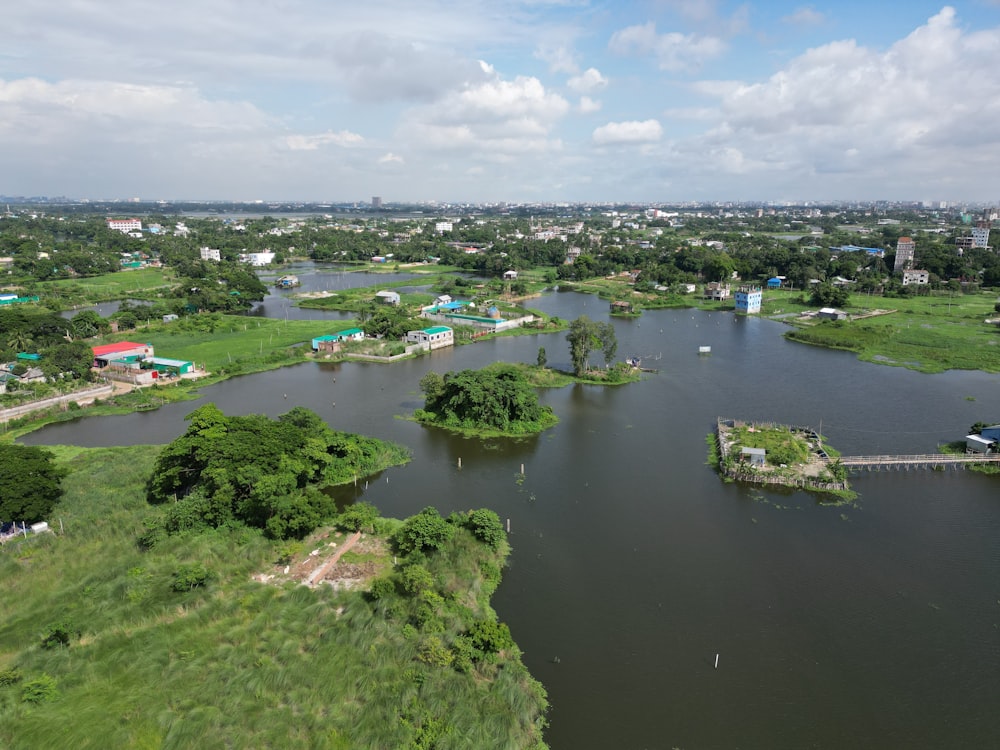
{"x": 868, "y": 626}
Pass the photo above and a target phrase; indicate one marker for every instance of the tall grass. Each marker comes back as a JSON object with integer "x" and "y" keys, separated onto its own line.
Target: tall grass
{"x": 233, "y": 664}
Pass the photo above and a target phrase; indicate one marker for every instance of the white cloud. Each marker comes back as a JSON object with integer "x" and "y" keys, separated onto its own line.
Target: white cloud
{"x": 805, "y": 16}
{"x": 35, "y": 109}
{"x": 614, "y": 133}
{"x": 706, "y": 14}
{"x": 673, "y": 51}
{"x": 588, "y": 106}
{"x": 312, "y": 142}
{"x": 497, "y": 122}
{"x": 560, "y": 59}
{"x": 587, "y": 82}
{"x": 911, "y": 115}
{"x": 391, "y": 158}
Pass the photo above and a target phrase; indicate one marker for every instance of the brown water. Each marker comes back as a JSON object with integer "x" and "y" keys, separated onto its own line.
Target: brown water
{"x": 876, "y": 626}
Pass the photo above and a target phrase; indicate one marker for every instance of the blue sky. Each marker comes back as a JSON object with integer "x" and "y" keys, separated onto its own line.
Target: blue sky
{"x": 506, "y": 100}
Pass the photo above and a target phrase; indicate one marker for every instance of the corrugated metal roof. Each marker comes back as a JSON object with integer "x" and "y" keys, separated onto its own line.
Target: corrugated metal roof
{"x": 121, "y": 346}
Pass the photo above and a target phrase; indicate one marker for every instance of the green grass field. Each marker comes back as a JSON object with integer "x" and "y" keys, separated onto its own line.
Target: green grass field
{"x": 232, "y": 664}
{"x": 115, "y": 285}
{"x": 220, "y": 341}
{"x": 929, "y": 334}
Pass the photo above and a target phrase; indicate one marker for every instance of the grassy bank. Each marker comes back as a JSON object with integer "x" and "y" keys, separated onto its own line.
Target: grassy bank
{"x": 929, "y": 334}
{"x": 233, "y": 663}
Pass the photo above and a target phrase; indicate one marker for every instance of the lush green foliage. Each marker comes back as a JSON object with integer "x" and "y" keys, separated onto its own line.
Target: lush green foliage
{"x": 425, "y": 532}
{"x": 586, "y": 335}
{"x": 29, "y": 483}
{"x": 253, "y": 470}
{"x": 497, "y": 398}
{"x": 236, "y": 663}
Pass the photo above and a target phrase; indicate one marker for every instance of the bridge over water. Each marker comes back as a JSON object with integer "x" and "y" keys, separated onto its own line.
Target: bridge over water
{"x": 920, "y": 461}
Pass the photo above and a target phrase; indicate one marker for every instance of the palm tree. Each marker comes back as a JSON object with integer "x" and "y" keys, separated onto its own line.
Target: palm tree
{"x": 20, "y": 341}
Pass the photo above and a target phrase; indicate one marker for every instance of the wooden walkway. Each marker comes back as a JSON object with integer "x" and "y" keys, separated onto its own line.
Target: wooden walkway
{"x": 923, "y": 461}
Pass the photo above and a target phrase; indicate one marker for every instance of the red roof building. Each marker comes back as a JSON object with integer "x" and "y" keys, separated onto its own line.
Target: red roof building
{"x": 107, "y": 352}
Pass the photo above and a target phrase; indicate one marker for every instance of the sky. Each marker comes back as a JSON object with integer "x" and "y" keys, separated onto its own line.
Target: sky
{"x": 501, "y": 100}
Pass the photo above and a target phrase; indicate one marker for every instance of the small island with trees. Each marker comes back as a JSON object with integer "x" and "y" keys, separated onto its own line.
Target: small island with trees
{"x": 500, "y": 401}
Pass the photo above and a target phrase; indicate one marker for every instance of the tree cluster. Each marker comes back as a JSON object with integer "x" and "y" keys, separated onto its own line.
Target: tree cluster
{"x": 30, "y": 483}
{"x": 497, "y": 398}
{"x": 251, "y": 470}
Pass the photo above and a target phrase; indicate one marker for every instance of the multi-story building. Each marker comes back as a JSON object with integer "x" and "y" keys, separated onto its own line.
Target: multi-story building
{"x": 748, "y": 299}
{"x": 211, "y": 253}
{"x": 981, "y": 235}
{"x": 911, "y": 276}
{"x": 905, "y": 250}
{"x": 125, "y": 225}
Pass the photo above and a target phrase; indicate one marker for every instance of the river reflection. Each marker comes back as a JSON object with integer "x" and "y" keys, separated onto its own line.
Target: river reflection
{"x": 872, "y": 626}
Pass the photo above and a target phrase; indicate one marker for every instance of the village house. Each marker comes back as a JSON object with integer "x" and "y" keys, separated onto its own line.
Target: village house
{"x": 915, "y": 277}
{"x": 387, "y": 297}
{"x": 715, "y": 290}
{"x": 434, "y": 337}
{"x": 979, "y": 444}
{"x": 332, "y": 342}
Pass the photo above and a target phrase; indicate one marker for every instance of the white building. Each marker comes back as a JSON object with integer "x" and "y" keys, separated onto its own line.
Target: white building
{"x": 258, "y": 259}
{"x": 434, "y": 337}
{"x": 211, "y": 253}
{"x": 915, "y": 277}
{"x": 442, "y": 226}
{"x": 125, "y": 226}
{"x": 981, "y": 236}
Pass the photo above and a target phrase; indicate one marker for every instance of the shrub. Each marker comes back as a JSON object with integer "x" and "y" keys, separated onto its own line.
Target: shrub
{"x": 427, "y": 530}
{"x": 10, "y": 676}
{"x": 359, "y": 517}
{"x": 381, "y": 588}
{"x": 42, "y": 689}
{"x": 435, "y": 653}
{"x": 486, "y": 527}
{"x": 189, "y": 577}
{"x": 58, "y": 634}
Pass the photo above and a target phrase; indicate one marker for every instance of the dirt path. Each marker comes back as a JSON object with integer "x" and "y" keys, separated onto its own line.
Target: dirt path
{"x": 320, "y": 573}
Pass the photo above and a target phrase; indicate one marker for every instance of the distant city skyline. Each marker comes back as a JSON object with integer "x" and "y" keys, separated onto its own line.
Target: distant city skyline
{"x": 512, "y": 100}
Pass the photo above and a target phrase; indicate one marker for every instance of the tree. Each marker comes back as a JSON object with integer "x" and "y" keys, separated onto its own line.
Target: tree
{"x": 542, "y": 359}
{"x": 87, "y": 323}
{"x": 20, "y": 341}
{"x": 584, "y": 336}
{"x": 30, "y": 483}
